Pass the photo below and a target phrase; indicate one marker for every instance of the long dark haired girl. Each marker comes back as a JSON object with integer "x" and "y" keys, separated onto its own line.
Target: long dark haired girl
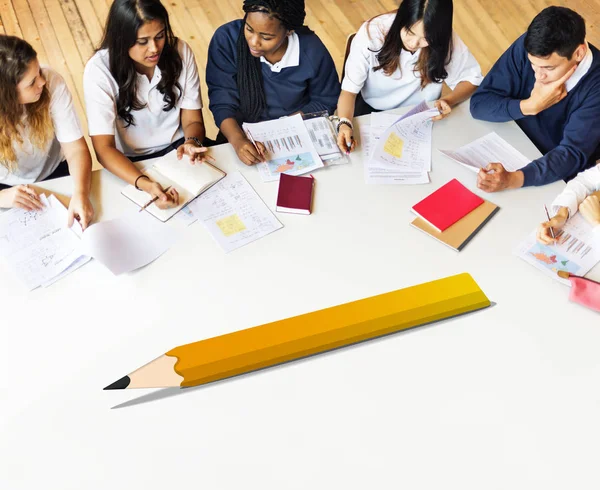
{"x": 403, "y": 58}
{"x": 142, "y": 95}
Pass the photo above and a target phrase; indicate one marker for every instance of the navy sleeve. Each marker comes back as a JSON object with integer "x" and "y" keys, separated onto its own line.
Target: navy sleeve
{"x": 498, "y": 97}
{"x": 324, "y": 87}
{"x": 576, "y": 149}
{"x": 221, "y": 75}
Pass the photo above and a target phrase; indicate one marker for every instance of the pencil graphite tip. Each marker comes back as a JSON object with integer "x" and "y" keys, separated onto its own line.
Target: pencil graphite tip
{"x": 120, "y": 384}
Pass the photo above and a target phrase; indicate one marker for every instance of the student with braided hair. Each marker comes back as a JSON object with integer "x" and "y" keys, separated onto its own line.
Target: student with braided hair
{"x": 264, "y": 66}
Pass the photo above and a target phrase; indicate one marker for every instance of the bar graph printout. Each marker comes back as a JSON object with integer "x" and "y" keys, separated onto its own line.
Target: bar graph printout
{"x": 576, "y": 250}
{"x": 288, "y": 145}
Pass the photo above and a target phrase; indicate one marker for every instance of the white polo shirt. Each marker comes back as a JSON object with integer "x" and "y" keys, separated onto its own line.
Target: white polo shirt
{"x": 403, "y": 87}
{"x": 153, "y": 128}
{"x": 35, "y": 164}
{"x": 576, "y": 191}
{"x": 290, "y": 58}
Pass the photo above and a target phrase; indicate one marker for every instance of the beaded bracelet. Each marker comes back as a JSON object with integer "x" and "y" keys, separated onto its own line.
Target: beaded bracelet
{"x": 347, "y": 123}
{"x": 138, "y": 178}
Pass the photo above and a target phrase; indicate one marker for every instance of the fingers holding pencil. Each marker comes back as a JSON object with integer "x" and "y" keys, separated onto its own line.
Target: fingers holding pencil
{"x": 163, "y": 199}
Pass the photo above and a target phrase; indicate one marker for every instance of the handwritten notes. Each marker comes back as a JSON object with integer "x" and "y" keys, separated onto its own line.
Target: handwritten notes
{"x": 399, "y": 147}
{"x": 37, "y": 245}
{"x": 233, "y": 213}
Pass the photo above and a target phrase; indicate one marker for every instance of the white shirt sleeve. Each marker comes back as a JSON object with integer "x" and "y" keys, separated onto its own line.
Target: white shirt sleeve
{"x": 463, "y": 66}
{"x": 358, "y": 64}
{"x": 100, "y": 97}
{"x": 191, "y": 98}
{"x": 62, "y": 110}
{"x": 577, "y": 190}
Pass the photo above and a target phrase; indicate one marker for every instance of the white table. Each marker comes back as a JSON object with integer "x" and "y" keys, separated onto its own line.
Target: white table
{"x": 502, "y": 398}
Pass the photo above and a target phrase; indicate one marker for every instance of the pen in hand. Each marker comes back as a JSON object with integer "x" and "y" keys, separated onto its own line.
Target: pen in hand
{"x": 548, "y": 216}
{"x": 254, "y": 144}
{"x": 154, "y": 199}
{"x": 349, "y": 145}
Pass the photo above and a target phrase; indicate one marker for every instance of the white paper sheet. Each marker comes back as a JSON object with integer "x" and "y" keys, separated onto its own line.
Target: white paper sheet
{"x": 411, "y": 133}
{"x": 575, "y": 252}
{"x": 37, "y": 245}
{"x": 289, "y": 147}
{"x": 129, "y": 242}
{"x": 323, "y": 138}
{"x": 233, "y": 213}
{"x": 488, "y": 149}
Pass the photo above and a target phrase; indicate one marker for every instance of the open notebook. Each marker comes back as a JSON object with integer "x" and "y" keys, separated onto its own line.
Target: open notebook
{"x": 189, "y": 180}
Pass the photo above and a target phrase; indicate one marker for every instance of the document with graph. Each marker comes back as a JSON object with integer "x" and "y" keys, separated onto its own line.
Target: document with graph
{"x": 576, "y": 250}
{"x": 289, "y": 147}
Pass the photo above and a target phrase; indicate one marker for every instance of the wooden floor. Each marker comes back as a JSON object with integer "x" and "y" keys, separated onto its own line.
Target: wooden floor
{"x": 66, "y": 32}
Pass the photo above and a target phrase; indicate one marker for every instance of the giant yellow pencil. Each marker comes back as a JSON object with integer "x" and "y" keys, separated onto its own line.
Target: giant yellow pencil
{"x": 300, "y": 336}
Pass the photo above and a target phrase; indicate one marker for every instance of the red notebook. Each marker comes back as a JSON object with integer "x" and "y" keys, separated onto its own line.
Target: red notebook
{"x": 295, "y": 194}
{"x": 444, "y": 207}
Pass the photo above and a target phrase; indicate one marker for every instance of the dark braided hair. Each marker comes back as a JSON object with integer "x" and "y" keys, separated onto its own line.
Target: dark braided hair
{"x": 253, "y": 100}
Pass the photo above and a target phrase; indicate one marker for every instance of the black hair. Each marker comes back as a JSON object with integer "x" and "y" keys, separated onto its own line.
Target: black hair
{"x": 120, "y": 34}
{"x": 253, "y": 100}
{"x": 555, "y": 30}
{"x": 437, "y": 26}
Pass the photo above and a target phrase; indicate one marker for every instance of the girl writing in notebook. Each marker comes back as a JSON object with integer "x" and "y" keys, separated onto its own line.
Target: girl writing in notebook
{"x": 403, "y": 58}
{"x": 40, "y": 135}
{"x": 577, "y": 196}
{"x": 142, "y": 95}
{"x": 265, "y": 66}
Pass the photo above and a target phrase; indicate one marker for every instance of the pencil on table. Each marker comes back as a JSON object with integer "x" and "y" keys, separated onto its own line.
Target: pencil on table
{"x": 312, "y": 333}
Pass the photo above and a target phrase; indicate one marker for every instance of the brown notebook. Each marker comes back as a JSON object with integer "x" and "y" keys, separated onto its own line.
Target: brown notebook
{"x": 459, "y": 234}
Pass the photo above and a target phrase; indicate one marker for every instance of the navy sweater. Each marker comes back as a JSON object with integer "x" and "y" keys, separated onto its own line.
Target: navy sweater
{"x": 311, "y": 86}
{"x": 567, "y": 133}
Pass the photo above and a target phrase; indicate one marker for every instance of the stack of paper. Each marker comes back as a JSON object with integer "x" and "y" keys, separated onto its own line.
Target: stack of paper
{"x": 575, "y": 251}
{"x": 289, "y": 147}
{"x": 400, "y": 148}
{"x": 40, "y": 249}
{"x": 323, "y": 136}
{"x": 37, "y": 245}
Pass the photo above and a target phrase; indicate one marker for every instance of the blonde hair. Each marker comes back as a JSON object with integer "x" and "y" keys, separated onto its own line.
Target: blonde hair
{"x": 15, "y": 57}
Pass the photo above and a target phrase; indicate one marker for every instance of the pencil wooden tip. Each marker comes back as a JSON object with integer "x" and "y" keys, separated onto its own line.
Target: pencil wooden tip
{"x": 120, "y": 384}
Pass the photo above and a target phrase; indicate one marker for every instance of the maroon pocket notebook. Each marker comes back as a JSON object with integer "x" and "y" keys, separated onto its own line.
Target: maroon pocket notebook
{"x": 295, "y": 194}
